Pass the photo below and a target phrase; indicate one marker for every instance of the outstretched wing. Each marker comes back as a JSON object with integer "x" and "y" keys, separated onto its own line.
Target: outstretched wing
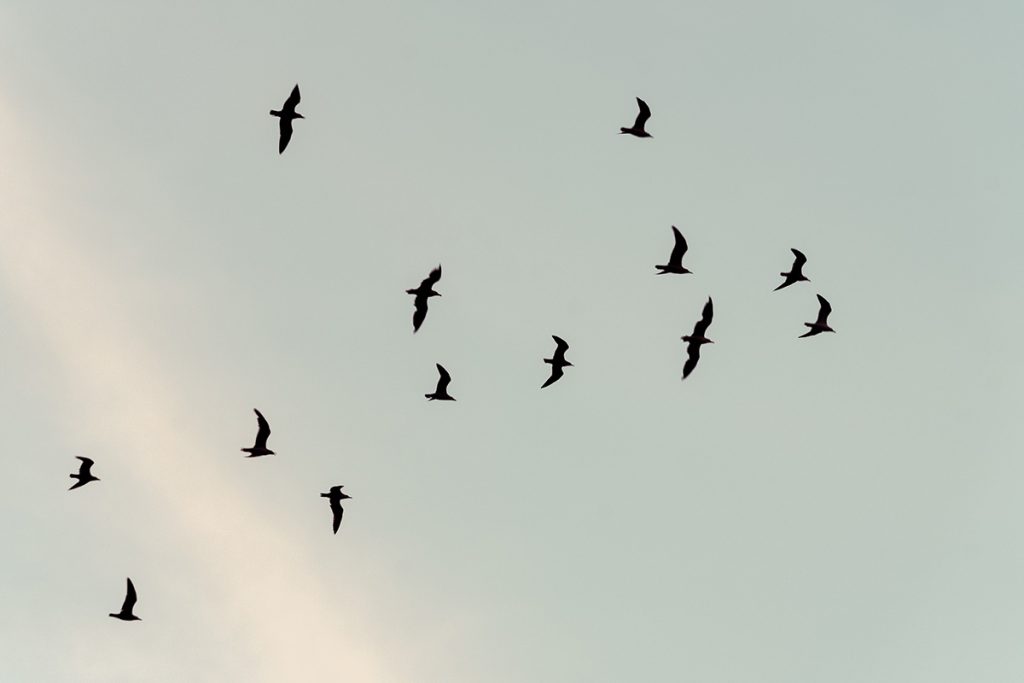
{"x": 556, "y": 374}
{"x": 679, "y": 249}
{"x": 444, "y": 380}
{"x": 264, "y": 430}
{"x": 420, "y": 314}
{"x": 645, "y": 113}
{"x": 293, "y": 99}
{"x": 338, "y": 512}
{"x": 701, "y": 328}
{"x": 692, "y": 356}
{"x": 86, "y": 466}
{"x": 432, "y": 279}
{"x": 561, "y": 346}
{"x": 130, "y": 599}
{"x": 286, "y": 134}
{"x": 824, "y": 311}
{"x": 800, "y": 259}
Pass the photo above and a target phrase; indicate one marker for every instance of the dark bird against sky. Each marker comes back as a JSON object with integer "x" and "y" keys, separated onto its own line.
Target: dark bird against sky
{"x": 84, "y": 475}
{"x": 129, "y": 603}
{"x": 260, "y": 447}
{"x": 557, "y": 361}
{"x": 697, "y": 339}
{"x": 641, "y": 119}
{"x": 286, "y": 116}
{"x": 335, "y": 496}
{"x": 441, "y": 392}
{"x": 821, "y": 324}
{"x": 675, "y": 259}
{"x": 422, "y": 293}
{"x": 796, "y": 273}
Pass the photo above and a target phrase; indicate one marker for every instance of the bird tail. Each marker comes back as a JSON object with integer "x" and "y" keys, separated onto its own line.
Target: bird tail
{"x": 275, "y": 113}
{"x": 429, "y": 397}
{"x": 623, "y": 130}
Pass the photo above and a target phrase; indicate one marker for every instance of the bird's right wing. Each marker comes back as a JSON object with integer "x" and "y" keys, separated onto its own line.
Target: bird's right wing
{"x": 825, "y": 310}
{"x": 130, "y": 598}
{"x": 338, "y": 512}
{"x": 433, "y": 278}
{"x": 263, "y": 432}
{"x": 645, "y": 113}
{"x": 444, "y": 380}
{"x": 701, "y": 328}
{"x": 293, "y": 99}
{"x": 679, "y": 248}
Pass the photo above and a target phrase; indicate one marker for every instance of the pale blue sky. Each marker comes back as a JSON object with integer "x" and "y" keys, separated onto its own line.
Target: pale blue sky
{"x": 844, "y": 508}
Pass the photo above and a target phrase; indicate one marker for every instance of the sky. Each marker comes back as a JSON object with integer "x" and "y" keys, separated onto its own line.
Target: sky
{"x": 842, "y": 508}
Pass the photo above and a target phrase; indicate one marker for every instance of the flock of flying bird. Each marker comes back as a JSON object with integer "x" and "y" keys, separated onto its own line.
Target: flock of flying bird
{"x": 425, "y": 290}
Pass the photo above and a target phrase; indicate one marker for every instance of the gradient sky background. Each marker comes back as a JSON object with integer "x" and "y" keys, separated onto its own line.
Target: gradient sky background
{"x": 845, "y": 508}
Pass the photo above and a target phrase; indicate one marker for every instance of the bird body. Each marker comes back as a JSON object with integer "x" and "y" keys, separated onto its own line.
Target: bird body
{"x": 821, "y": 324}
{"x": 335, "y": 496}
{"x": 263, "y": 433}
{"x": 84, "y": 475}
{"x": 130, "y": 599}
{"x": 637, "y": 129}
{"x": 422, "y": 293}
{"x": 796, "y": 273}
{"x": 675, "y": 259}
{"x": 286, "y": 115}
{"x": 441, "y": 392}
{"x": 697, "y": 339}
{"x": 557, "y": 361}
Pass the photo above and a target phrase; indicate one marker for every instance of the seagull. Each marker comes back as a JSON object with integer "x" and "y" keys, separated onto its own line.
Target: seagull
{"x": 129, "y": 602}
{"x": 84, "y": 475}
{"x": 695, "y": 340}
{"x": 422, "y": 293}
{"x": 821, "y": 324}
{"x": 260, "y": 447}
{"x": 286, "y": 115}
{"x": 641, "y": 119}
{"x": 335, "y": 497}
{"x": 441, "y": 393}
{"x": 675, "y": 259}
{"x": 796, "y": 273}
{"x": 557, "y": 361}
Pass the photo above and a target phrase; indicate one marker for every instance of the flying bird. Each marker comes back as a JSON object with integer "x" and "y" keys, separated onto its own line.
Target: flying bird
{"x": 641, "y": 118}
{"x": 129, "y": 603}
{"x": 260, "y": 447}
{"x": 286, "y": 115}
{"x": 335, "y": 496}
{"x": 821, "y": 324}
{"x": 796, "y": 273}
{"x": 697, "y": 339}
{"x": 84, "y": 475}
{"x": 675, "y": 259}
{"x": 557, "y": 361}
{"x": 441, "y": 393}
{"x": 422, "y": 293}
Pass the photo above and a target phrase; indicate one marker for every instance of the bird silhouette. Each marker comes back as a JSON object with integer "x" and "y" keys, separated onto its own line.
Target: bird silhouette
{"x": 335, "y": 496}
{"x": 821, "y": 324}
{"x": 422, "y": 293}
{"x": 675, "y": 259}
{"x": 557, "y": 361}
{"x": 260, "y": 447}
{"x": 129, "y": 603}
{"x": 697, "y": 339}
{"x": 286, "y": 116}
{"x": 638, "y": 127}
{"x": 84, "y": 475}
{"x": 441, "y": 392}
{"x": 796, "y": 273}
